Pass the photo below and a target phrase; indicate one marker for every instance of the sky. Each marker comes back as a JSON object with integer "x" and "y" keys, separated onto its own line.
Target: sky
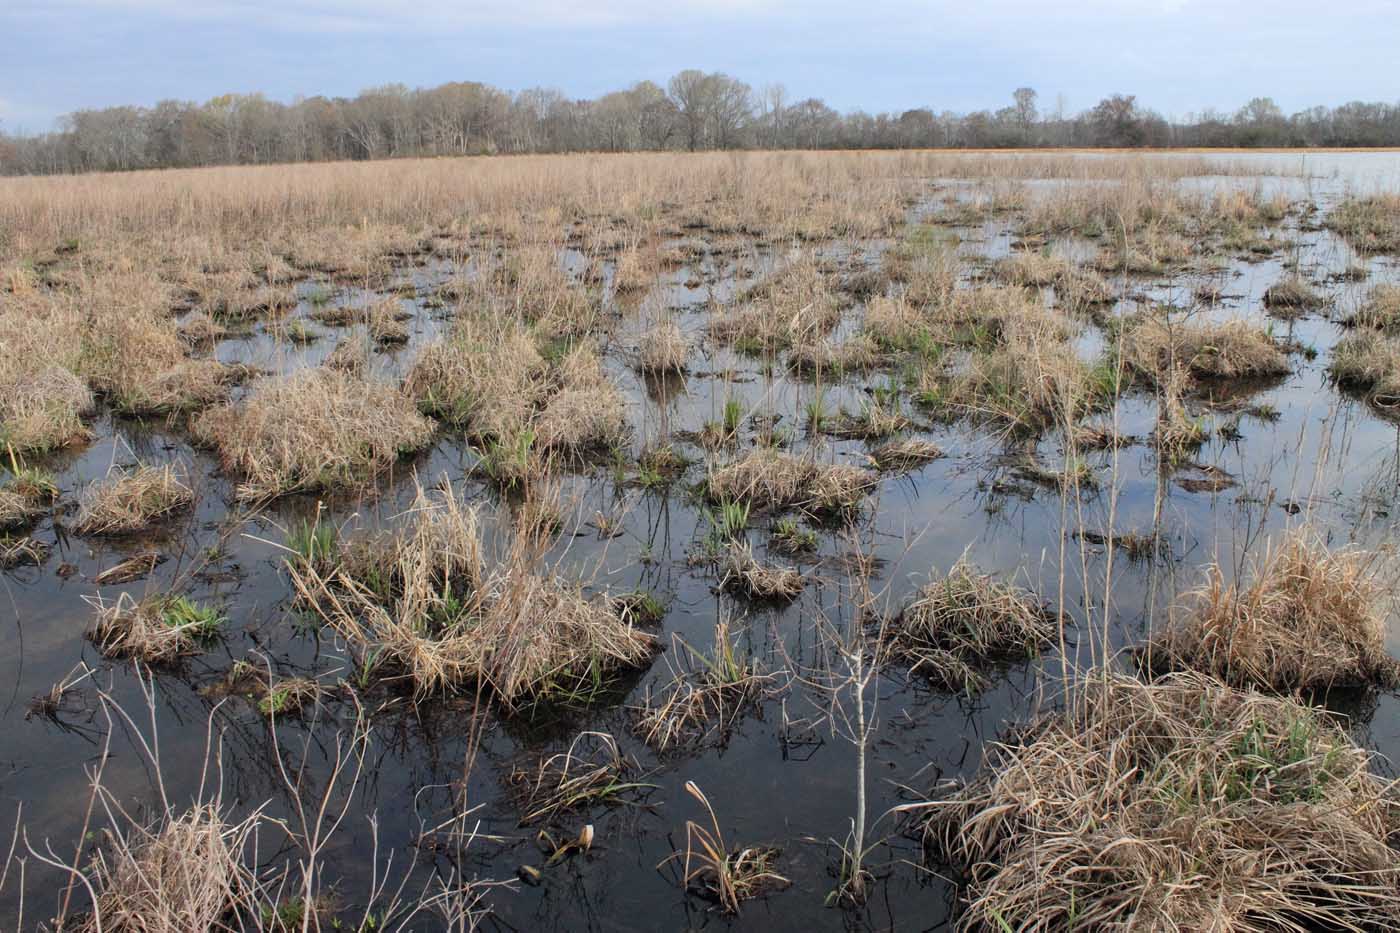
{"x": 1177, "y": 56}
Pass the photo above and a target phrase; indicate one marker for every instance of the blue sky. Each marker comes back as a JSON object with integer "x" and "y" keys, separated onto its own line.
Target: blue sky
{"x": 1178, "y": 56}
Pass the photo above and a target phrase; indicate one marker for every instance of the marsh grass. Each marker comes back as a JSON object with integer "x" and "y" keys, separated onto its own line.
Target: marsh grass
{"x": 1380, "y": 311}
{"x": 128, "y": 501}
{"x": 1292, "y": 297}
{"x": 714, "y": 871}
{"x": 1370, "y": 224}
{"x": 664, "y": 348}
{"x": 955, "y": 627}
{"x": 705, "y": 697}
{"x": 157, "y": 629}
{"x": 426, "y": 603}
{"x": 1154, "y": 346}
{"x": 1306, "y": 617}
{"x": 769, "y": 479}
{"x": 904, "y": 456}
{"x": 591, "y": 772}
{"x": 741, "y": 572}
{"x": 1176, "y": 804}
{"x": 315, "y": 429}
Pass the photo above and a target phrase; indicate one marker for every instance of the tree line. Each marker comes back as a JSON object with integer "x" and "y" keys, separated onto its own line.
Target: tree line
{"x": 696, "y": 110}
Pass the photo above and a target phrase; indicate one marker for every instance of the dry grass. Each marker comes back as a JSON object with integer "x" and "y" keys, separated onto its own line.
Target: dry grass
{"x": 1307, "y": 617}
{"x": 1381, "y": 310}
{"x": 664, "y": 348}
{"x": 741, "y": 572}
{"x": 1155, "y": 346}
{"x": 705, "y": 696}
{"x": 956, "y": 626}
{"x": 587, "y": 413}
{"x": 44, "y": 409}
{"x": 1183, "y": 804}
{"x": 902, "y": 456}
{"x": 718, "y": 873}
{"x": 591, "y": 772}
{"x": 770, "y": 479}
{"x": 23, "y": 498}
{"x": 487, "y": 378}
{"x": 191, "y": 872}
{"x": 794, "y": 305}
{"x": 1292, "y": 296}
{"x": 831, "y": 358}
{"x": 1368, "y": 361}
{"x": 1370, "y": 224}
{"x": 426, "y": 603}
{"x": 128, "y": 501}
{"x": 315, "y": 429}
{"x": 1177, "y": 434}
{"x": 156, "y": 629}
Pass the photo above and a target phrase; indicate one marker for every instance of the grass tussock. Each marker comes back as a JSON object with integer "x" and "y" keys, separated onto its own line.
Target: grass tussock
{"x": 588, "y": 413}
{"x": 128, "y": 501}
{"x": 664, "y": 349}
{"x": 711, "y": 869}
{"x": 1180, "y": 804}
{"x": 486, "y": 378}
{"x": 742, "y": 573}
{"x": 1306, "y": 617}
{"x": 1154, "y": 347}
{"x": 796, "y": 304}
{"x": 771, "y": 479}
{"x": 591, "y": 772}
{"x": 833, "y": 358}
{"x": 705, "y": 697}
{"x": 1370, "y": 224}
{"x": 44, "y": 409}
{"x": 1380, "y": 311}
{"x": 315, "y": 429}
{"x": 191, "y": 872}
{"x": 1368, "y": 361}
{"x": 1292, "y": 296}
{"x": 955, "y": 627}
{"x": 24, "y": 497}
{"x": 902, "y": 456}
{"x": 426, "y": 604}
{"x": 156, "y": 629}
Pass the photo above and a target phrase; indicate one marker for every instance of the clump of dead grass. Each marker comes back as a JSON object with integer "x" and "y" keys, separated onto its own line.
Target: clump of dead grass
{"x": 772, "y": 479}
{"x": 955, "y": 627}
{"x": 588, "y": 412}
{"x": 1370, "y": 224}
{"x": 1292, "y": 296}
{"x": 487, "y": 378}
{"x": 901, "y": 456}
{"x": 795, "y": 304}
{"x": 156, "y": 629}
{"x": 591, "y": 772}
{"x": 664, "y": 348}
{"x": 1307, "y": 617}
{"x": 44, "y": 409}
{"x": 427, "y": 604}
{"x": 832, "y": 358}
{"x": 317, "y": 428}
{"x": 1381, "y": 310}
{"x": 191, "y": 872}
{"x": 1180, "y": 804}
{"x": 128, "y": 501}
{"x": 1154, "y": 346}
{"x": 1368, "y": 361}
{"x": 741, "y": 572}
{"x": 705, "y": 696}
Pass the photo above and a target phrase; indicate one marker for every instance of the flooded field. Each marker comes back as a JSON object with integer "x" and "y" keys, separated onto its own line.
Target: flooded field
{"x": 661, "y": 542}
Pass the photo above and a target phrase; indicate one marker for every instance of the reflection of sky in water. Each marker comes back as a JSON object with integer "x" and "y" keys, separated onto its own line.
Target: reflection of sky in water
{"x": 785, "y": 775}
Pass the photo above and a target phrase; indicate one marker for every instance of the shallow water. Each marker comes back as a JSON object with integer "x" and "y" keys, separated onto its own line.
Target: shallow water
{"x": 785, "y": 776}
